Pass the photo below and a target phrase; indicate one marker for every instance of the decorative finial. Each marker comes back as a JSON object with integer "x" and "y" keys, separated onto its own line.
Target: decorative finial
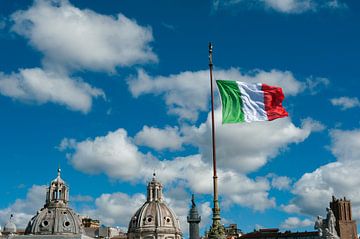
{"x": 193, "y": 200}
{"x": 59, "y": 171}
{"x": 210, "y": 54}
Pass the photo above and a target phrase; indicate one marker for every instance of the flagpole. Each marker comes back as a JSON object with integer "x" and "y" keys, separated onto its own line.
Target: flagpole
{"x": 216, "y": 230}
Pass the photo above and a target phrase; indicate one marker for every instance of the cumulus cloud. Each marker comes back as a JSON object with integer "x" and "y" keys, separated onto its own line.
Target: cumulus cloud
{"x": 247, "y": 147}
{"x": 280, "y": 182}
{"x": 290, "y": 6}
{"x": 314, "y": 190}
{"x": 39, "y": 86}
{"x": 159, "y": 139}
{"x": 290, "y": 208}
{"x": 283, "y": 6}
{"x": 24, "y": 209}
{"x": 72, "y": 38}
{"x": 108, "y": 154}
{"x": 295, "y": 222}
{"x": 316, "y": 84}
{"x": 252, "y": 193}
{"x": 346, "y": 144}
{"x": 345, "y": 102}
{"x": 187, "y": 93}
{"x": 81, "y": 198}
{"x": 179, "y": 201}
{"x": 115, "y": 209}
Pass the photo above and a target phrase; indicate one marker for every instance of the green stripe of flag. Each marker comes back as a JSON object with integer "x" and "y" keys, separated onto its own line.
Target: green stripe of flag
{"x": 232, "y": 104}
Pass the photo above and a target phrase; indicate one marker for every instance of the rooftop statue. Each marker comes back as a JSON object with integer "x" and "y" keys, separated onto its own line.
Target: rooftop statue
{"x": 326, "y": 227}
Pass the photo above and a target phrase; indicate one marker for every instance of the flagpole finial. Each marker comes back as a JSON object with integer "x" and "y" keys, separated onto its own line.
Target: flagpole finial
{"x": 210, "y": 54}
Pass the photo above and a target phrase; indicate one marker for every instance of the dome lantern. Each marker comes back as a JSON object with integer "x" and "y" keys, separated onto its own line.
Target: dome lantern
{"x": 58, "y": 192}
{"x": 154, "y": 190}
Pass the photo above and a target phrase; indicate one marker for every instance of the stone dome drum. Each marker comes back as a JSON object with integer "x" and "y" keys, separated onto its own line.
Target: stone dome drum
{"x": 154, "y": 219}
{"x": 55, "y": 217}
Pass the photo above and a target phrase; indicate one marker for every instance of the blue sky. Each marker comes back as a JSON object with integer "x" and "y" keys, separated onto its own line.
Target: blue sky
{"x": 115, "y": 90}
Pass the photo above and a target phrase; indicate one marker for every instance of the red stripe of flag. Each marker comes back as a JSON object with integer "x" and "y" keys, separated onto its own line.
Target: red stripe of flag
{"x": 273, "y": 97}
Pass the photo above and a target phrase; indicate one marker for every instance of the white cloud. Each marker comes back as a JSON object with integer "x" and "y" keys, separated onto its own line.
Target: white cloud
{"x": 314, "y": 190}
{"x": 290, "y": 208}
{"x": 159, "y": 139}
{"x": 108, "y": 154}
{"x": 205, "y": 211}
{"x": 188, "y": 93}
{"x": 295, "y": 222}
{"x": 345, "y": 102}
{"x": 346, "y": 144}
{"x": 81, "y": 198}
{"x": 283, "y": 6}
{"x": 247, "y": 147}
{"x": 39, "y": 86}
{"x": 290, "y": 6}
{"x": 115, "y": 209}
{"x": 72, "y": 38}
{"x": 252, "y": 193}
{"x": 177, "y": 198}
{"x": 24, "y": 209}
{"x": 315, "y": 84}
{"x": 280, "y": 182}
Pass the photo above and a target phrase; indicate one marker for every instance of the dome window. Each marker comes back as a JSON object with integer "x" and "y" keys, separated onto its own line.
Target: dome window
{"x": 66, "y": 223}
{"x": 45, "y": 223}
{"x": 167, "y": 219}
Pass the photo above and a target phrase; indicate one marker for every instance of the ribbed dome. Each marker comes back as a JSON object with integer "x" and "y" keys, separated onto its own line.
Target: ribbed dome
{"x": 55, "y": 217}
{"x": 55, "y": 221}
{"x": 154, "y": 219}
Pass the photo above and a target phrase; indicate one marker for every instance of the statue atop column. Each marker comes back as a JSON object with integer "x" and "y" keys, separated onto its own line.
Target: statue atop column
{"x": 326, "y": 227}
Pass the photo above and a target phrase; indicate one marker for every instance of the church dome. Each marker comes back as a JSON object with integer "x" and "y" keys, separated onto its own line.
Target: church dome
{"x": 55, "y": 221}
{"x": 55, "y": 217}
{"x": 9, "y": 227}
{"x": 154, "y": 219}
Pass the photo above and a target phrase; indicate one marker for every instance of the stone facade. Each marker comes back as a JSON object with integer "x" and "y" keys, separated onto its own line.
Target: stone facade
{"x": 345, "y": 226}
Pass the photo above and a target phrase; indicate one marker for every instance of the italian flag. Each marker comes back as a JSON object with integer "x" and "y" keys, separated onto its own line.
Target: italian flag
{"x": 245, "y": 102}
